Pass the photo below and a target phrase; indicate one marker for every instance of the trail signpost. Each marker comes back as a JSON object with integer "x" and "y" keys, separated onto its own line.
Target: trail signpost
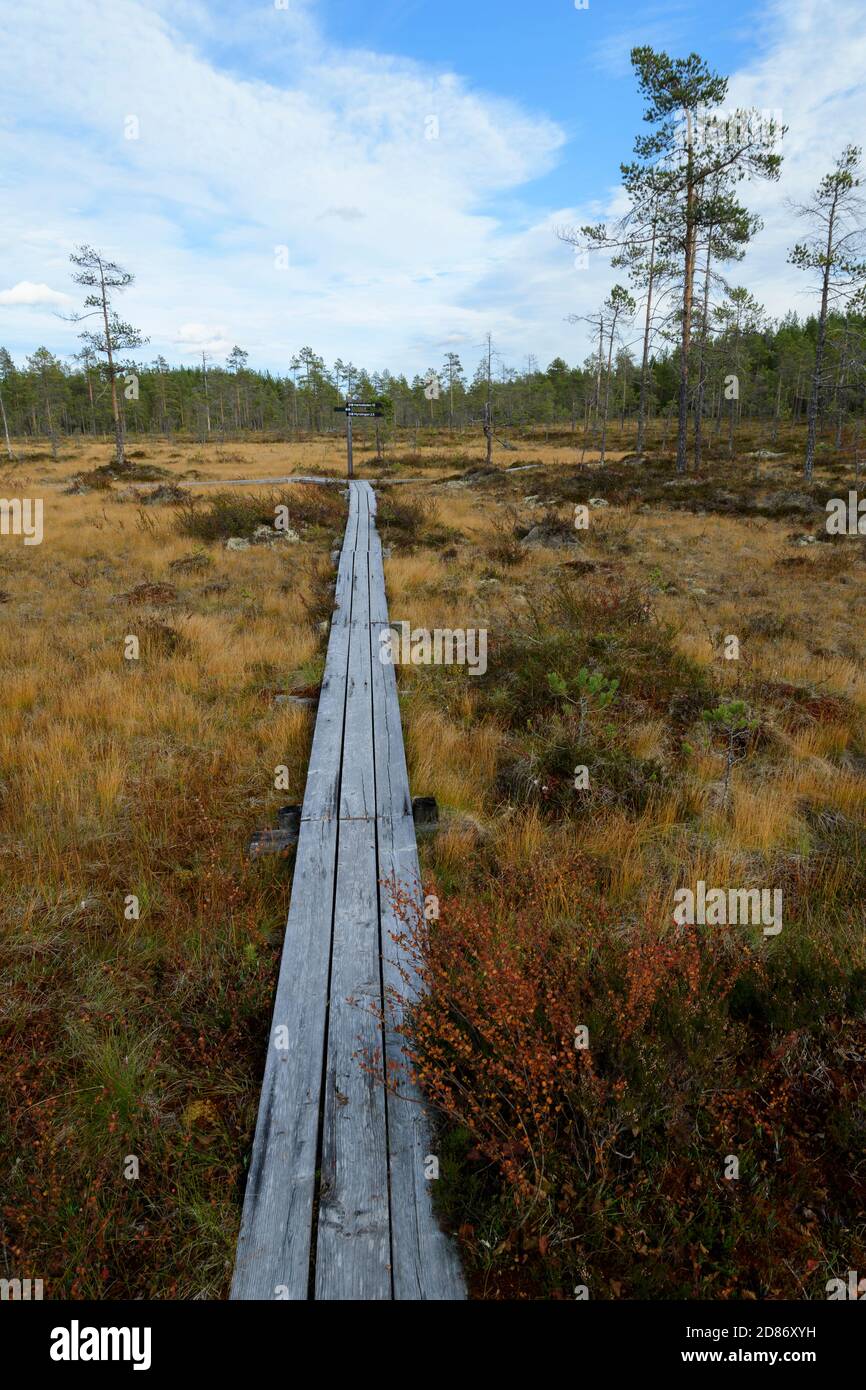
{"x": 363, "y": 410}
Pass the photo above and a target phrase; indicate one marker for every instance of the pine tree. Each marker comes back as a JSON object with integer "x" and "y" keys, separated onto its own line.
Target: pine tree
{"x": 104, "y": 277}
{"x": 836, "y": 250}
{"x": 690, "y": 148}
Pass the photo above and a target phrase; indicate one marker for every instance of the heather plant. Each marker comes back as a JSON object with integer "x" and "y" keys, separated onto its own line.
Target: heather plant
{"x": 590, "y": 1080}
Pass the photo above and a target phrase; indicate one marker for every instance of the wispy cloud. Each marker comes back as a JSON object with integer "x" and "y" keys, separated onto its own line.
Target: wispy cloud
{"x": 344, "y": 214}
{"x": 812, "y": 68}
{"x": 661, "y": 26}
{"x": 201, "y": 337}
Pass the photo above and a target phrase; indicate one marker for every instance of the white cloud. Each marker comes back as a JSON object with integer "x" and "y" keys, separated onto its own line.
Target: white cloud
{"x": 345, "y": 214}
{"x": 382, "y": 226}
{"x": 26, "y": 292}
{"x": 393, "y": 253}
{"x": 200, "y": 337}
{"x": 814, "y": 70}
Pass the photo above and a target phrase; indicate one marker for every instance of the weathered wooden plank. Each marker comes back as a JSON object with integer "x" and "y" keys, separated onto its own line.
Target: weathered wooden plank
{"x": 323, "y": 772}
{"x": 274, "y": 1245}
{"x": 341, "y": 615}
{"x": 425, "y": 1264}
{"x": 276, "y": 1227}
{"x": 392, "y": 778}
{"x": 424, "y": 1260}
{"x": 353, "y": 1253}
{"x": 378, "y": 602}
{"x": 357, "y": 785}
{"x": 342, "y": 591}
{"x": 353, "y": 1248}
{"x": 366, "y": 511}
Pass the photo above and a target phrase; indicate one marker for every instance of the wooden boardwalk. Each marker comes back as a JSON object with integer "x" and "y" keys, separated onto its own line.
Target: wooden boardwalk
{"x": 337, "y": 1205}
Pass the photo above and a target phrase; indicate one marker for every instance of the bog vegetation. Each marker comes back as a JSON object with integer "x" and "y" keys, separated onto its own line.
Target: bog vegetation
{"x": 626, "y": 1104}
{"x": 598, "y": 1064}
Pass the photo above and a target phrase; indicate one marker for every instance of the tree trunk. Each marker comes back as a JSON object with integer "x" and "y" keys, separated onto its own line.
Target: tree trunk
{"x": 606, "y": 393}
{"x": 777, "y": 410}
{"x": 599, "y": 368}
{"x": 118, "y": 418}
{"x": 840, "y": 392}
{"x": 644, "y": 366}
{"x": 90, "y": 398}
{"x": 6, "y": 429}
{"x": 488, "y": 408}
{"x": 702, "y": 368}
{"x": 814, "y": 394}
{"x": 688, "y": 287}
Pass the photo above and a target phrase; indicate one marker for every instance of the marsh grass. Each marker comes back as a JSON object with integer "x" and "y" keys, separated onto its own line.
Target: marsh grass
{"x": 607, "y": 1167}
{"x": 142, "y": 1036}
{"x": 238, "y": 513}
{"x": 145, "y": 1037}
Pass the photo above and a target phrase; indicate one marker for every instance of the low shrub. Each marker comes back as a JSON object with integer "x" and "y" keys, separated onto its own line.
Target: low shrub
{"x": 407, "y": 522}
{"x": 610, "y": 630}
{"x": 595, "y": 1076}
{"x": 238, "y": 513}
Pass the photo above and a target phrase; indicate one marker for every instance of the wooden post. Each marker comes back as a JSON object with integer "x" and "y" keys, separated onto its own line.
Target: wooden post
{"x": 349, "y": 442}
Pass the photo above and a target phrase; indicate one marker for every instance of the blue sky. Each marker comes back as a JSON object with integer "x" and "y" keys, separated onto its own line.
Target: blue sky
{"x": 571, "y": 65}
{"x": 281, "y": 186}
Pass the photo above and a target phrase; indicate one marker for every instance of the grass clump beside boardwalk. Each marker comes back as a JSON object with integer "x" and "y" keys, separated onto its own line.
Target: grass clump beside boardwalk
{"x": 238, "y": 512}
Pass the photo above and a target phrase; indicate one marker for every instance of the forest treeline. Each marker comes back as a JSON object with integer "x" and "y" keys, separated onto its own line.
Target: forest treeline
{"x": 678, "y": 338}
{"x": 772, "y": 362}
